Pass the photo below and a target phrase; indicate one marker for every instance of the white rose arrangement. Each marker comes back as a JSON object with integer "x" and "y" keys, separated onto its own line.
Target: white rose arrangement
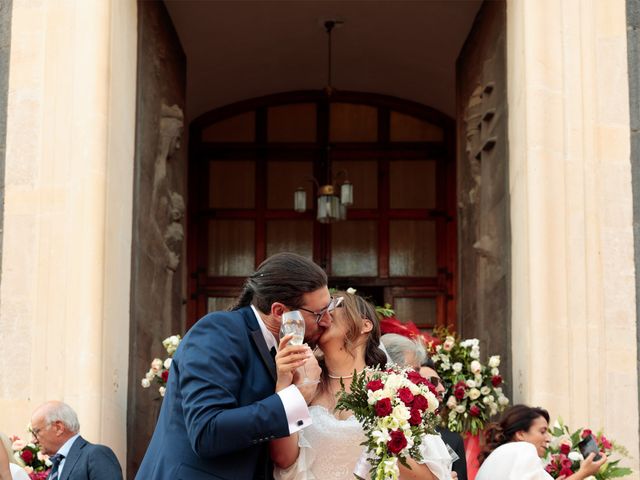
{"x": 159, "y": 371}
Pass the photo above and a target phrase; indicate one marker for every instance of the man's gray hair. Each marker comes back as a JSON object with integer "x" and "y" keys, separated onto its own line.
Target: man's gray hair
{"x": 398, "y": 346}
{"x": 62, "y": 412}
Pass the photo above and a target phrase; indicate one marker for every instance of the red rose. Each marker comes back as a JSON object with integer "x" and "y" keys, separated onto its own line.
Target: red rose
{"x": 604, "y": 443}
{"x": 459, "y": 392}
{"x": 405, "y": 395}
{"x": 375, "y": 385}
{"x": 420, "y": 403}
{"x": 165, "y": 376}
{"x": 496, "y": 380}
{"x": 416, "y": 417}
{"x": 416, "y": 378}
{"x": 27, "y": 456}
{"x": 397, "y": 442}
{"x": 383, "y": 407}
{"x": 565, "y": 449}
{"x": 567, "y": 472}
{"x": 586, "y": 433}
{"x": 566, "y": 462}
{"x": 474, "y": 411}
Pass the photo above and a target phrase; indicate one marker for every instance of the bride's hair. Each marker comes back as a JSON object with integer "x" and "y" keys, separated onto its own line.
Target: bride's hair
{"x": 515, "y": 419}
{"x": 358, "y": 310}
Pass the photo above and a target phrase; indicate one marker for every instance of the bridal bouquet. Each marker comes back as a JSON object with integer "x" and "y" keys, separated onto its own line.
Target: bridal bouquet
{"x": 36, "y": 464}
{"x": 159, "y": 371}
{"x": 563, "y": 455}
{"x": 396, "y": 407}
{"x": 474, "y": 392}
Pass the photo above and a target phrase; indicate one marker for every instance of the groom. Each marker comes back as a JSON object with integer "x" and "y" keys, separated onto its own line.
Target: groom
{"x": 220, "y": 410}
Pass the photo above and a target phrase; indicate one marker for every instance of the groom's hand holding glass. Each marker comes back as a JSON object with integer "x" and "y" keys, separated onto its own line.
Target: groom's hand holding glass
{"x": 295, "y": 362}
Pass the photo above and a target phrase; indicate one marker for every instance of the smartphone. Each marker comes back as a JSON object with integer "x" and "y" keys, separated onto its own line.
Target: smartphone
{"x": 588, "y": 445}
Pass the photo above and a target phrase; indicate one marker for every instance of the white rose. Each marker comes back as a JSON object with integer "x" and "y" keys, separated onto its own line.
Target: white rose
{"x": 351, "y": 291}
{"x": 401, "y": 413}
{"x": 474, "y": 353}
{"x": 494, "y": 410}
{"x": 488, "y": 400}
{"x": 498, "y": 391}
{"x": 502, "y": 400}
{"x": 167, "y": 363}
{"x": 448, "y": 344}
{"x": 149, "y": 375}
{"x": 162, "y": 390}
{"x": 452, "y": 402}
{"x": 494, "y": 361}
{"x": 575, "y": 456}
{"x": 432, "y": 401}
{"x": 457, "y": 367}
{"x": 444, "y": 366}
{"x": 145, "y": 383}
{"x": 478, "y": 379}
{"x": 485, "y": 390}
{"x": 156, "y": 365}
{"x": 460, "y": 408}
{"x": 380, "y": 436}
{"x": 495, "y": 371}
{"x": 474, "y": 394}
{"x": 171, "y": 343}
{"x": 475, "y": 367}
{"x": 471, "y": 383}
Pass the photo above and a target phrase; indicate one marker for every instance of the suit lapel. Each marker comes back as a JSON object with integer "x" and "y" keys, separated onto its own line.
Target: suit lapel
{"x": 72, "y": 458}
{"x": 258, "y": 340}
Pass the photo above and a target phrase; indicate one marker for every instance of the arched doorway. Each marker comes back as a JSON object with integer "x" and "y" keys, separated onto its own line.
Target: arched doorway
{"x": 398, "y": 242}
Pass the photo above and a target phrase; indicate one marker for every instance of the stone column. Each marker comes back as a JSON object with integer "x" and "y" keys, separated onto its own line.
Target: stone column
{"x": 64, "y": 293}
{"x": 573, "y": 282}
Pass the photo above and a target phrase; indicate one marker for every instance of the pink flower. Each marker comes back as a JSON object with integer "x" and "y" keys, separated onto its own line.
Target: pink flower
{"x": 18, "y": 444}
{"x": 604, "y": 443}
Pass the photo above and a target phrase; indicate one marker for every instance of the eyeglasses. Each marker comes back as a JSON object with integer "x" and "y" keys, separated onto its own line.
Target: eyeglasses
{"x": 36, "y": 431}
{"x": 333, "y": 304}
{"x": 435, "y": 381}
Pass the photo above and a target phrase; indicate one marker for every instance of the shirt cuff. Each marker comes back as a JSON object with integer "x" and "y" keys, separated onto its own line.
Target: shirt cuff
{"x": 295, "y": 408}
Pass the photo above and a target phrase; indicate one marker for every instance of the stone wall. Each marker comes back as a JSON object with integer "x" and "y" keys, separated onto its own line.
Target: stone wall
{"x": 157, "y": 271}
{"x": 483, "y": 198}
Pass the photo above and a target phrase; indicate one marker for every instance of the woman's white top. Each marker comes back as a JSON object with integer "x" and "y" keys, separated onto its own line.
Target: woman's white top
{"x": 17, "y": 472}
{"x": 513, "y": 461}
{"x": 330, "y": 449}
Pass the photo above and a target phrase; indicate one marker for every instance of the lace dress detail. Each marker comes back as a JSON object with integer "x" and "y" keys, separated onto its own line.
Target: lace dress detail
{"x": 330, "y": 449}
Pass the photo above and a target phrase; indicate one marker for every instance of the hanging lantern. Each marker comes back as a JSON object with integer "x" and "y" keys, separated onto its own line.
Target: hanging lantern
{"x": 346, "y": 193}
{"x": 300, "y": 200}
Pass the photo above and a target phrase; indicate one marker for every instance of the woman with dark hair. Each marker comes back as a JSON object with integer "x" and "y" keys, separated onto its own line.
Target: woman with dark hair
{"x": 515, "y": 445}
{"x": 330, "y": 447}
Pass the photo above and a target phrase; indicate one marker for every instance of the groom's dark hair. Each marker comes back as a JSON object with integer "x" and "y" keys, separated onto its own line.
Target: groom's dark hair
{"x": 284, "y": 278}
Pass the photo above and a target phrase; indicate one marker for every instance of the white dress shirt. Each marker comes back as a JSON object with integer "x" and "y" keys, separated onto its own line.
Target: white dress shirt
{"x": 295, "y": 406}
{"x": 64, "y": 450}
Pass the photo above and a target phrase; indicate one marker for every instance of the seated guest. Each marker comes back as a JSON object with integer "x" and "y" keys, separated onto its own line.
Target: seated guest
{"x": 515, "y": 446}
{"x": 55, "y": 427}
{"x": 408, "y": 352}
{"x": 404, "y": 351}
{"x": 16, "y": 472}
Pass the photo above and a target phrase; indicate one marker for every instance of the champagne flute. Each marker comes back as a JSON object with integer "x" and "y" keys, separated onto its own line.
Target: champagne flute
{"x": 293, "y": 324}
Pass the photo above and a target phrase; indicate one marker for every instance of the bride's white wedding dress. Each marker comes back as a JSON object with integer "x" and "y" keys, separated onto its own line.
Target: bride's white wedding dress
{"x": 330, "y": 449}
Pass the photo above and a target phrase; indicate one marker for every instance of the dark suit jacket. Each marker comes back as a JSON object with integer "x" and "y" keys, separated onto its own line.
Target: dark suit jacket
{"x": 220, "y": 410}
{"x": 454, "y": 440}
{"x": 88, "y": 461}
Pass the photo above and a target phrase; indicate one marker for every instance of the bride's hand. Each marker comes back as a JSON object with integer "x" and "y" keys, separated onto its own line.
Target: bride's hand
{"x": 288, "y": 359}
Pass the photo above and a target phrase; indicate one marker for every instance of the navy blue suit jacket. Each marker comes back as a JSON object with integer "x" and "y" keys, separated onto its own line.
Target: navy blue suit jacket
{"x": 220, "y": 410}
{"x": 88, "y": 461}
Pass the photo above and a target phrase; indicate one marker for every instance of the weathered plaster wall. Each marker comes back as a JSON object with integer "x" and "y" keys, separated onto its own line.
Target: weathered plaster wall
{"x": 64, "y": 295}
{"x": 573, "y": 275}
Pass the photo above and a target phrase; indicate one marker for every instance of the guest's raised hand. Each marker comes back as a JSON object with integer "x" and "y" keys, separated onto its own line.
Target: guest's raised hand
{"x": 590, "y": 467}
{"x": 288, "y": 359}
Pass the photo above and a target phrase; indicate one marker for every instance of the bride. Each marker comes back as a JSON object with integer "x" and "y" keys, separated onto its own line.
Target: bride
{"x": 329, "y": 448}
